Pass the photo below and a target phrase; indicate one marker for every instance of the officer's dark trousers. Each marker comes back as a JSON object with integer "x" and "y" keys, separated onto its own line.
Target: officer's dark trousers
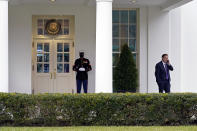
{"x": 85, "y": 86}
{"x": 164, "y": 86}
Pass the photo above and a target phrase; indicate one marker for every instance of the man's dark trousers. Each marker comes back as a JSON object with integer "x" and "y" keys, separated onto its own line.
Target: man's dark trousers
{"x": 85, "y": 86}
{"x": 164, "y": 86}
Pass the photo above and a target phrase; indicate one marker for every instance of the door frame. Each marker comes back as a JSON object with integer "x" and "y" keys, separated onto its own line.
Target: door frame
{"x": 70, "y": 37}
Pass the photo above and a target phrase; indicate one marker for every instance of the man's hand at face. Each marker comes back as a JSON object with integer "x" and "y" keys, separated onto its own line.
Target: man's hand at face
{"x": 168, "y": 62}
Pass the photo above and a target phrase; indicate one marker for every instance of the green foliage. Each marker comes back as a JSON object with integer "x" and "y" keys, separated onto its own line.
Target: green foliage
{"x": 125, "y": 73}
{"x": 97, "y": 109}
{"x": 103, "y": 128}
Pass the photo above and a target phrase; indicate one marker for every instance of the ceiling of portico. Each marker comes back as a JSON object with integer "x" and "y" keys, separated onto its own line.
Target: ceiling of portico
{"x": 116, "y": 3}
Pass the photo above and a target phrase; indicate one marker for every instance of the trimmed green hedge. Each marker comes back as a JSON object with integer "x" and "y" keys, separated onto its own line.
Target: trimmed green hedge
{"x": 97, "y": 109}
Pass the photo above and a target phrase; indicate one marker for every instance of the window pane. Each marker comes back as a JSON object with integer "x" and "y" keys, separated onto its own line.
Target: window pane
{"x": 59, "y": 57}
{"x": 60, "y": 33}
{"x": 66, "y": 22}
{"x": 124, "y": 41}
{"x": 40, "y": 31}
{"x": 46, "y": 47}
{"x": 60, "y": 21}
{"x": 46, "y": 57}
{"x": 115, "y": 30}
{"x": 115, "y": 16}
{"x": 66, "y": 31}
{"x": 46, "y": 68}
{"x": 135, "y": 57}
{"x": 66, "y": 47}
{"x": 39, "y": 47}
{"x": 40, "y": 22}
{"x": 132, "y": 45}
{"x": 66, "y": 68}
{"x": 124, "y": 30}
{"x": 116, "y": 45}
{"x": 124, "y": 16}
{"x": 39, "y": 57}
{"x": 45, "y": 21}
{"x": 132, "y": 31}
{"x": 39, "y": 68}
{"x": 59, "y": 68}
{"x": 66, "y": 57}
{"x": 115, "y": 58}
{"x": 45, "y": 32}
{"x": 132, "y": 17}
{"x": 59, "y": 47}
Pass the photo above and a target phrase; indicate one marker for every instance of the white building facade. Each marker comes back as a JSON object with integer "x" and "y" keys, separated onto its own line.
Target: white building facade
{"x": 34, "y": 62}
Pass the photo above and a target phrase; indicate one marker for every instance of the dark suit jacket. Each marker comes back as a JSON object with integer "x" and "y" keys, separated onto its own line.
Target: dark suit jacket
{"x": 82, "y": 75}
{"x": 160, "y": 72}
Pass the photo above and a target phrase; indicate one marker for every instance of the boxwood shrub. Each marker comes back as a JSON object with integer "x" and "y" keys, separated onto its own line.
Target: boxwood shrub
{"x": 97, "y": 109}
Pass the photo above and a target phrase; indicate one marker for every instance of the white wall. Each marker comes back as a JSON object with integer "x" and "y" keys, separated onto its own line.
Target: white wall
{"x": 189, "y": 47}
{"x": 175, "y": 49}
{"x": 158, "y": 36}
{"x": 20, "y": 38}
{"x": 174, "y": 33}
{"x": 158, "y": 42}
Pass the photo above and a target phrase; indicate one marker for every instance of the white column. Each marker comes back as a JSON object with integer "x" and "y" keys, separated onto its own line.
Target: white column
{"x": 3, "y": 45}
{"x": 103, "y": 46}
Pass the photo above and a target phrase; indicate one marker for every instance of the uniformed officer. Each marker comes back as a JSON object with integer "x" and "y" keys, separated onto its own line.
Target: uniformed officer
{"x": 82, "y": 66}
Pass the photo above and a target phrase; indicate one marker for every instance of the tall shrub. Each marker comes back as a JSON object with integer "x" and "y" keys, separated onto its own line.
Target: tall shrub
{"x": 125, "y": 73}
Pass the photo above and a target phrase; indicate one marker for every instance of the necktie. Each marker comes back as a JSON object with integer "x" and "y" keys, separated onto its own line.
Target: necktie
{"x": 167, "y": 75}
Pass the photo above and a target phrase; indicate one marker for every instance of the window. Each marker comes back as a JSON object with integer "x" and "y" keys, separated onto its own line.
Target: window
{"x": 63, "y": 60}
{"x": 43, "y": 54}
{"x": 41, "y": 23}
{"x": 124, "y": 31}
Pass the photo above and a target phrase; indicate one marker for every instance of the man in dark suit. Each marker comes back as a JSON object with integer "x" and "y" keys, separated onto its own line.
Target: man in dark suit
{"x": 82, "y": 66}
{"x": 162, "y": 74}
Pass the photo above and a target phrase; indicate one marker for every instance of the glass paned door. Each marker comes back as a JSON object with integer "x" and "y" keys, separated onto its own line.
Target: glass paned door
{"x": 63, "y": 61}
{"x": 43, "y": 66}
{"x": 53, "y": 62}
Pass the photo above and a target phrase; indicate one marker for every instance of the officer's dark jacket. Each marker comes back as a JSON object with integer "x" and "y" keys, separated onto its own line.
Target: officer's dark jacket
{"x": 160, "y": 72}
{"x": 85, "y": 63}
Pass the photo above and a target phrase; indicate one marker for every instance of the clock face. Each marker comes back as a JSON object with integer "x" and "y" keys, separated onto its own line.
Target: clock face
{"x": 53, "y": 27}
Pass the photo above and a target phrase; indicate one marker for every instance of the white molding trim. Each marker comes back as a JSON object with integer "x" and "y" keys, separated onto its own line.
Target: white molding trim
{"x": 172, "y": 4}
{"x": 89, "y": 2}
{"x": 104, "y": 0}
